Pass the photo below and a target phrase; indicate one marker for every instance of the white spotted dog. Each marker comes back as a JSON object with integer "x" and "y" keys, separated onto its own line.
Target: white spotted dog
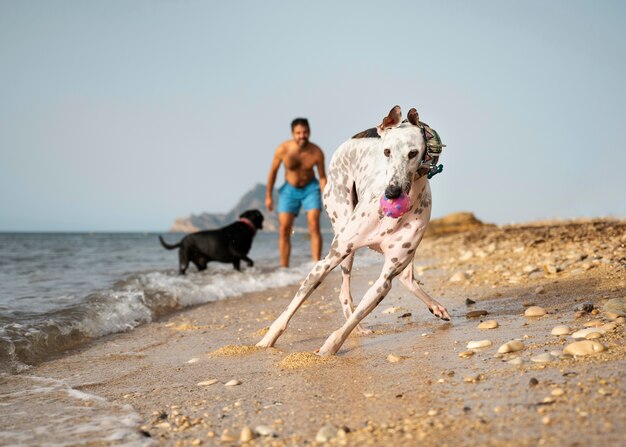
{"x": 375, "y": 168}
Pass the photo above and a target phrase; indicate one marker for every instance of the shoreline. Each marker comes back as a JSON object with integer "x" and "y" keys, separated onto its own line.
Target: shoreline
{"x": 406, "y": 383}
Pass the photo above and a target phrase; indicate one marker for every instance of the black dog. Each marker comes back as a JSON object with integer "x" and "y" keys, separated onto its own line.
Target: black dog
{"x": 228, "y": 244}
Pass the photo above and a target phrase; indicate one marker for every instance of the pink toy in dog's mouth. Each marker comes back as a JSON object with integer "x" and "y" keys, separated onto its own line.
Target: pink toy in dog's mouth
{"x": 395, "y": 207}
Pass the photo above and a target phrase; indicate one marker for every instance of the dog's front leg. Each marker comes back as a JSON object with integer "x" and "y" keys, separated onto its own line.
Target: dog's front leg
{"x": 313, "y": 280}
{"x": 408, "y": 280}
{"x": 248, "y": 261}
{"x": 374, "y": 295}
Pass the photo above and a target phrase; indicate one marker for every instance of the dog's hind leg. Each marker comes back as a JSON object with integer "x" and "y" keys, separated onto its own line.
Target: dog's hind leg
{"x": 338, "y": 253}
{"x": 408, "y": 280}
{"x": 345, "y": 296}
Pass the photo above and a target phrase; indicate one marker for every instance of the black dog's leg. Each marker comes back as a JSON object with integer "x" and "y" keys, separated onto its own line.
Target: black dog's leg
{"x": 183, "y": 261}
{"x": 249, "y": 261}
{"x": 236, "y": 264}
{"x": 200, "y": 262}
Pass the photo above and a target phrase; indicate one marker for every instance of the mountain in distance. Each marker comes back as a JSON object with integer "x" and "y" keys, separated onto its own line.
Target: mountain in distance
{"x": 253, "y": 199}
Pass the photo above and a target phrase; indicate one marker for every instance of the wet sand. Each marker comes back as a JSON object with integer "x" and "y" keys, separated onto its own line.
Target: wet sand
{"x": 195, "y": 377}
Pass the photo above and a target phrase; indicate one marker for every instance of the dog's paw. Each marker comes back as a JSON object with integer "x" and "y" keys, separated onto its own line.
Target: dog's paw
{"x": 440, "y": 312}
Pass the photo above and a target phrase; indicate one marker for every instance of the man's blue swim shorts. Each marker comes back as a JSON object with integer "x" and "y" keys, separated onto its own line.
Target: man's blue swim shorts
{"x": 290, "y": 198}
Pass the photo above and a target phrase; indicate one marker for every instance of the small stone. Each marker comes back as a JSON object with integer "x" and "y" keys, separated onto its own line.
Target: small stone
{"x": 476, "y": 313}
{"x": 325, "y": 434}
{"x": 533, "y": 382}
{"x": 593, "y": 323}
{"x": 478, "y": 344}
{"x": 616, "y": 306}
{"x": 208, "y": 382}
{"x": 586, "y": 347}
{"x": 515, "y": 361}
{"x": 466, "y": 354}
{"x": 557, "y": 392}
{"x": 511, "y": 346}
{"x": 233, "y": 382}
{"x": 391, "y": 310}
{"x": 535, "y": 311}
{"x": 546, "y": 420}
{"x": 432, "y": 412}
{"x": 561, "y": 330}
{"x": 264, "y": 430}
{"x": 539, "y": 290}
{"x": 586, "y": 307}
{"x": 489, "y": 324}
{"x": 472, "y": 379}
{"x": 593, "y": 335}
{"x": 246, "y": 435}
{"x": 583, "y": 332}
{"x": 392, "y": 358}
{"x": 542, "y": 358}
{"x": 469, "y": 302}
{"x": 458, "y": 277}
{"x": 193, "y": 360}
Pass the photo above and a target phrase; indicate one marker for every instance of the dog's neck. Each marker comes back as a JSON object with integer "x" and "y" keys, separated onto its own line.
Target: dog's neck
{"x": 249, "y": 223}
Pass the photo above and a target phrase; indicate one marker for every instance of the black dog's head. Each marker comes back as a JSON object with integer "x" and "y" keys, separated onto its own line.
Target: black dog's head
{"x": 253, "y": 216}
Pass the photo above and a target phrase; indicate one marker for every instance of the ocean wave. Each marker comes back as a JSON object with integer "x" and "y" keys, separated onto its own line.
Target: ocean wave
{"x": 26, "y": 339}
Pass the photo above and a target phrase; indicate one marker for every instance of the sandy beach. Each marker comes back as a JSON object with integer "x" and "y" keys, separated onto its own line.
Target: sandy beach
{"x": 195, "y": 377}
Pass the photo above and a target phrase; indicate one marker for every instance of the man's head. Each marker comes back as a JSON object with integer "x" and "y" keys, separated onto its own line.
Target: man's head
{"x": 300, "y": 131}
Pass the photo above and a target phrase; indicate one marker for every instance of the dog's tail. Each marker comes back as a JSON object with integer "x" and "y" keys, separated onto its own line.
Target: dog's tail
{"x": 168, "y": 246}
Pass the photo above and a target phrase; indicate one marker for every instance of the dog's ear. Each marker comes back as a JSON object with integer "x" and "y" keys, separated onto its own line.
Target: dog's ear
{"x": 414, "y": 117}
{"x": 392, "y": 120}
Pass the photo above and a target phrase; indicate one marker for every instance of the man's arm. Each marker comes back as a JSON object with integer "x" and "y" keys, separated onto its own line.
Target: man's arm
{"x": 321, "y": 171}
{"x": 271, "y": 179}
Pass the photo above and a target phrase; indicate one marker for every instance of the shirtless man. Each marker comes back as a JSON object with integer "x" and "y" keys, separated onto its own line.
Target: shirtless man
{"x": 301, "y": 188}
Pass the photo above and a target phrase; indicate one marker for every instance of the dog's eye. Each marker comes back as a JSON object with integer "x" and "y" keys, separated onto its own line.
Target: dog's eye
{"x": 413, "y": 154}
{"x": 387, "y": 152}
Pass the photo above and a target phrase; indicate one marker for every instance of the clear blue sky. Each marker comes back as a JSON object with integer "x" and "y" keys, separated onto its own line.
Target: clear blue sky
{"x": 124, "y": 115}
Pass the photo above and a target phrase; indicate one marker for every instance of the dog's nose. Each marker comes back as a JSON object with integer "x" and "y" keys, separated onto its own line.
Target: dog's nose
{"x": 393, "y": 191}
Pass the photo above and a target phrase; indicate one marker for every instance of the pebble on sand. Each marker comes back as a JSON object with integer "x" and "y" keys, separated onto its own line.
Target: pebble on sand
{"x": 542, "y": 358}
{"x": 561, "y": 330}
{"x": 515, "y": 361}
{"x": 264, "y": 430}
{"x": 476, "y": 313}
{"x": 593, "y": 335}
{"x": 233, "y": 382}
{"x": 557, "y": 392}
{"x": 392, "y": 310}
{"x": 616, "y": 306}
{"x": 584, "y": 332}
{"x": 511, "y": 346}
{"x": 535, "y": 311}
{"x": 489, "y": 324}
{"x": 208, "y": 382}
{"x": 478, "y": 344}
{"x": 325, "y": 434}
{"x": 458, "y": 277}
{"x": 593, "y": 323}
{"x": 466, "y": 354}
{"x": 392, "y": 358}
{"x": 246, "y": 435}
{"x": 585, "y": 347}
